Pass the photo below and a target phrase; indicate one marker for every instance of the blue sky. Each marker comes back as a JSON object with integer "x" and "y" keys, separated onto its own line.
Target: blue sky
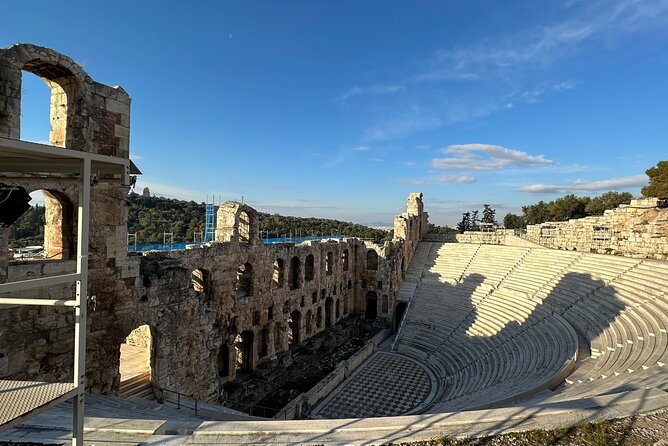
{"x": 340, "y": 109}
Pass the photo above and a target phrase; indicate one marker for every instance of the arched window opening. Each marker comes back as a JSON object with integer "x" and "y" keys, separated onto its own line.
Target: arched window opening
{"x": 384, "y": 304}
{"x": 293, "y": 273}
{"x": 314, "y": 297}
{"x": 318, "y": 318}
{"x": 338, "y": 309}
{"x": 371, "y": 311}
{"x": 294, "y": 335}
{"x": 36, "y": 109}
{"x": 55, "y": 220}
{"x": 199, "y": 280}
{"x": 243, "y": 345}
{"x": 372, "y": 260}
{"x": 244, "y": 227}
{"x": 244, "y": 280}
{"x": 329, "y": 264}
{"x": 350, "y": 284}
{"x": 279, "y": 273}
{"x": 224, "y": 361}
{"x": 328, "y": 312}
{"x": 137, "y": 363}
{"x": 345, "y": 260}
{"x": 308, "y": 323}
{"x": 346, "y": 310}
{"x": 309, "y": 267}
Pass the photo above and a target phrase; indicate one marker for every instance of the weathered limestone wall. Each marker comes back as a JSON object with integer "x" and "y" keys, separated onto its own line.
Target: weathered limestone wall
{"x": 37, "y": 342}
{"x": 639, "y": 229}
{"x": 211, "y": 312}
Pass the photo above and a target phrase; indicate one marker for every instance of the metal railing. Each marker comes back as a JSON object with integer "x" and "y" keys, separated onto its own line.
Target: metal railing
{"x": 192, "y": 397}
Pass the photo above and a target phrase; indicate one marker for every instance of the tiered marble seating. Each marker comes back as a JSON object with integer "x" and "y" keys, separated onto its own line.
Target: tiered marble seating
{"x": 498, "y": 323}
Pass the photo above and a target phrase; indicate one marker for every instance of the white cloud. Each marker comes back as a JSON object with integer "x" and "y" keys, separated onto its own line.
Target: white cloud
{"x": 410, "y": 163}
{"x": 469, "y": 157}
{"x": 377, "y": 160}
{"x": 378, "y": 89}
{"x": 586, "y": 186}
{"x": 361, "y": 148}
{"x": 136, "y": 157}
{"x": 445, "y": 179}
{"x": 565, "y": 85}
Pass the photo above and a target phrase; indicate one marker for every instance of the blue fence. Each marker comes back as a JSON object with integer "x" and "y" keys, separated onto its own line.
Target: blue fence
{"x": 181, "y": 246}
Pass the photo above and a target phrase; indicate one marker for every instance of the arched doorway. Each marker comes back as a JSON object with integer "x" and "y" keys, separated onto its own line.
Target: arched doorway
{"x": 243, "y": 345}
{"x": 294, "y": 332}
{"x": 399, "y": 314}
{"x": 328, "y": 312}
{"x": 371, "y": 306}
{"x": 137, "y": 360}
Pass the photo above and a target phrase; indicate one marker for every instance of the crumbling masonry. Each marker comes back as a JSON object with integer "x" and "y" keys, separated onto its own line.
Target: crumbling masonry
{"x": 211, "y": 311}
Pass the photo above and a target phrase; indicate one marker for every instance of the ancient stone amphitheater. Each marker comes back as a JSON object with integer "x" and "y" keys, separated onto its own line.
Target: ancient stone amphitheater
{"x": 486, "y": 333}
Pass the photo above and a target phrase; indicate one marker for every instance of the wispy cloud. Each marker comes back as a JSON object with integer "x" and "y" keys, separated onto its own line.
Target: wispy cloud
{"x": 377, "y": 160}
{"x": 361, "y": 148}
{"x": 485, "y": 157}
{"x": 511, "y": 69}
{"x": 622, "y": 183}
{"x": 378, "y": 89}
{"x": 544, "y": 45}
{"x": 444, "y": 179}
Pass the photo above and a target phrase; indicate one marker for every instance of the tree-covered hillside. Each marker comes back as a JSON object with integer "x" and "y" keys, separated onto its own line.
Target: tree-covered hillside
{"x": 151, "y": 217}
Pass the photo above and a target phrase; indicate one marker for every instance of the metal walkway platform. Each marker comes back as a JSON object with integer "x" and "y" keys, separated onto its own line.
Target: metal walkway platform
{"x": 22, "y": 399}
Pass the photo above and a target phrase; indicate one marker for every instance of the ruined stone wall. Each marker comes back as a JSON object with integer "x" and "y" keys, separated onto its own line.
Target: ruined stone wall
{"x": 37, "y": 342}
{"x": 639, "y": 229}
{"x": 201, "y": 305}
{"x": 411, "y": 226}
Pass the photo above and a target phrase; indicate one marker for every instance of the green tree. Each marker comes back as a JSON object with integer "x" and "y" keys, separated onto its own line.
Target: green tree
{"x": 465, "y": 224}
{"x": 513, "y": 221}
{"x": 568, "y": 207}
{"x": 536, "y": 213}
{"x": 658, "y": 181}
{"x": 474, "y": 221}
{"x": 488, "y": 214}
{"x": 609, "y": 200}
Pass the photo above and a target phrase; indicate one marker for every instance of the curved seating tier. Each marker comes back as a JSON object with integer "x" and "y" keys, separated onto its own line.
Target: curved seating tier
{"x": 498, "y": 323}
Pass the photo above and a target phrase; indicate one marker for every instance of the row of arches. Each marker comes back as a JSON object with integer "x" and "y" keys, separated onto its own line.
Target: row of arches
{"x": 294, "y": 274}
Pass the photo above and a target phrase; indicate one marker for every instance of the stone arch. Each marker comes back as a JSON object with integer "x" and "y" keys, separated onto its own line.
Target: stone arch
{"x": 244, "y": 285}
{"x": 63, "y": 76}
{"x": 294, "y": 273}
{"x": 294, "y": 328}
{"x": 371, "y": 260}
{"x": 371, "y": 311}
{"x": 318, "y": 318}
{"x": 278, "y": 277}
{"x": 308, "y": 323}
{"x": 137, "y": 365}
{"x": 59, "y": 224}
{"x": 309, "y": 268}
{"x": 237, "y": 222}
{"x": 200, "y": 280}
{"x": 329, "y": 263}
{"x": 244, "y": 351}
{"x": 345, "y": 260}
{"x": 278, "y": 338}
{"x": 328, "y": 312}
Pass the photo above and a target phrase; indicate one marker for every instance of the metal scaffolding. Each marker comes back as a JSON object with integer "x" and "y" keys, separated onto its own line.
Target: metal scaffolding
{"x": 28, "y": 162}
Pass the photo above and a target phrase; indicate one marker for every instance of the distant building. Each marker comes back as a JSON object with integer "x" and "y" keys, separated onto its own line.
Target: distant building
{"x": 146, "y": 193}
